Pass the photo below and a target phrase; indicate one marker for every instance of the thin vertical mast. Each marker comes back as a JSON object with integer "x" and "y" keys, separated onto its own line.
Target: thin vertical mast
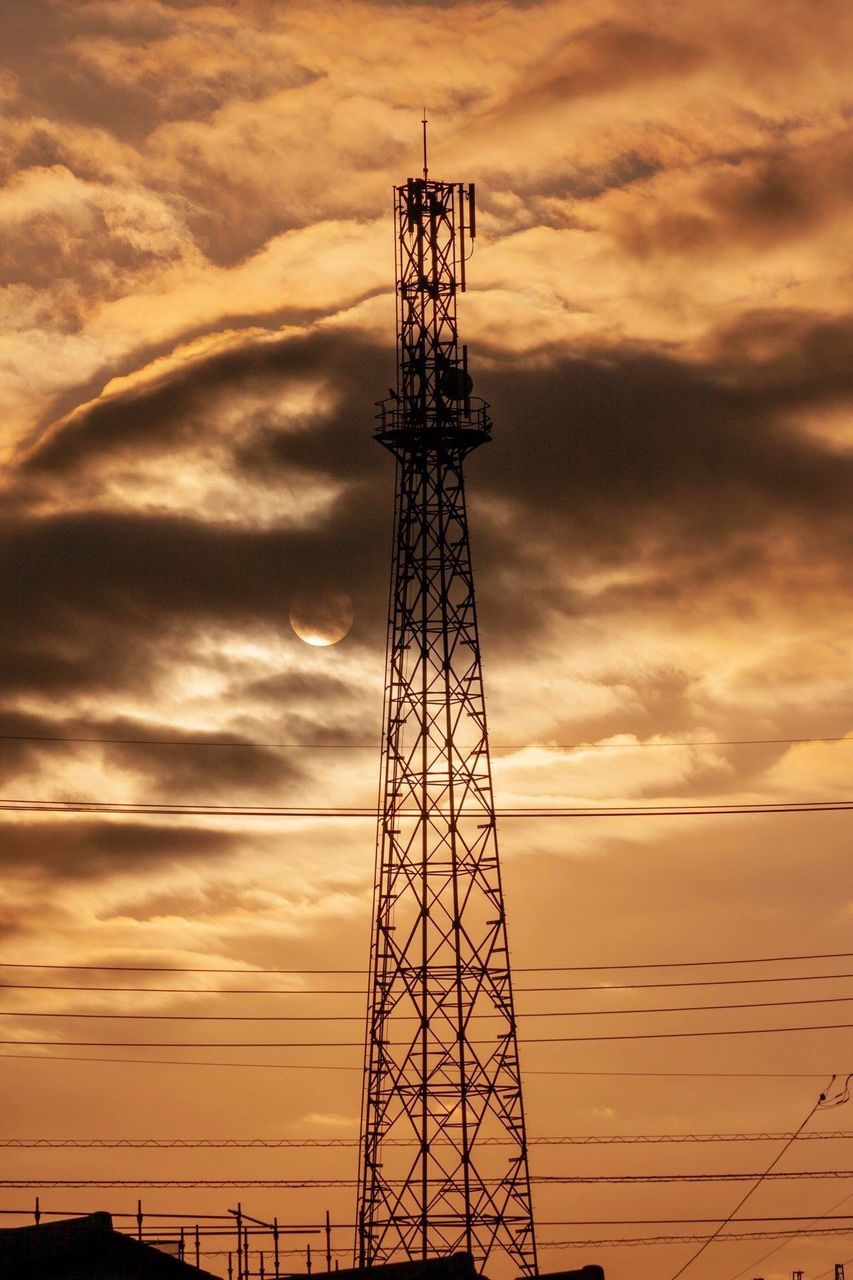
{"x": 425, "y": 122}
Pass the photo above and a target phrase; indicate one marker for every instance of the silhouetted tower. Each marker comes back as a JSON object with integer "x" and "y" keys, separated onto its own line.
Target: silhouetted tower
{"x": 443, "y": 1159}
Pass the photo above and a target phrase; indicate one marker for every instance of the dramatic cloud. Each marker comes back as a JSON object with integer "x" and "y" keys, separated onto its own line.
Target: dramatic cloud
{"x": 197, "y": 318}
{"x": 92, "y": 849}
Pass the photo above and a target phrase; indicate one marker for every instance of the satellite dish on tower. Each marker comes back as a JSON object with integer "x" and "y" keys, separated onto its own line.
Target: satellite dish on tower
{"x": 455, "y": 383}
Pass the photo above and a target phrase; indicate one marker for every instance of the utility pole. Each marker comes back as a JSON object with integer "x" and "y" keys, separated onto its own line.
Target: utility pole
{"x": 441, "y": 1056}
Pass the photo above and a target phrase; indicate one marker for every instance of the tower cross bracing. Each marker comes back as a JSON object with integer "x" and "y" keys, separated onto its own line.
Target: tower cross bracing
{"x": 441, "y": 1054}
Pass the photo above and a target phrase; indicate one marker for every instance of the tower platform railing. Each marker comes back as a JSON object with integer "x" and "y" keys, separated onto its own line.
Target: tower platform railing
{"x": 465, "y": 425}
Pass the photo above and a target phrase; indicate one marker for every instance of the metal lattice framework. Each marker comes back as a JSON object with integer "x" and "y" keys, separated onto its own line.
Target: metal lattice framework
{"x": 443, "y": 1150}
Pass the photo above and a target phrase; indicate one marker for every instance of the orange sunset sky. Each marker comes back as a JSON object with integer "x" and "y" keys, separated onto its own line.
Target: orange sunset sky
{"x": 198, "y": 315}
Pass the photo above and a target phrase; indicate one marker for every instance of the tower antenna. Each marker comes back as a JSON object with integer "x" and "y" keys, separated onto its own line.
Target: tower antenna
{"x": 425, "y": 122}
{"x": 443, "y": 1147}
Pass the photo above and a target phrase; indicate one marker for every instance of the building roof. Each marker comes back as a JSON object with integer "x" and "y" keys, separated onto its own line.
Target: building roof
{"x": 459, "y": 1266}
{"x": 590, "y": 1272}
{"x": 86, "y": 1249}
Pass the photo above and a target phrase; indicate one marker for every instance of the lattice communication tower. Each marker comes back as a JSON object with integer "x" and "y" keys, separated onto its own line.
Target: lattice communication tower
{"x": 441, "y": 1054}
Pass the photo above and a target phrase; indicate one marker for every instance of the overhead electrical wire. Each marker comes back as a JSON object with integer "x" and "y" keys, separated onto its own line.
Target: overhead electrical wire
{"x": 224, "y": 1225}
{"x": 559, "y": 968}
{"x": 250, "y": 1144}
{"x": 253, "y": 1225}
{"x": 671, "y": 964}
{"x": 152, "y": 1215}
{"x": 326, "y": 1066}
{"x": 657, "y": 1222}
{"x": 361, "y": 991}
{"x": 359, "y": 1044}
{"x": 681, "y": 1035}
{"x": 681, "y": 1075}
{"x": 184, "y": 1062}
{"x": 246, "y": 743}
{"x": 769, "y": 1172}
{"x": 828, "y": 1215}
{"x": 572, "y": 1243}
{"x": 670, "y": 811}
{"x": 630, "y": 1139}
{"x": 631, "y": 1179}
{"x": 305, "y": 1184}
{"x": 660, "y": 810}
{"x": 733, "y": 1236}
{"x": 356, "y": 1017}
{"x": 831, "y": 1269}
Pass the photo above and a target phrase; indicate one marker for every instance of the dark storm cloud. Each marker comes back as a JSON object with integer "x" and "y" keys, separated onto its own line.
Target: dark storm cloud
{"x": 192, "y": 763}
{"x": 99, "y": 601}
{"x": 180, "y": 404}
{"x": 611, "y": 425}
{"x": 624, "y": 455}
{"x": 318, "y": 709}
{"x": 108, "y": 601}
{"x": 659, "y": 696}
{"x": 754, "y": 200}
{"x": 49, "y": 643}
{"x": 299, "y": 684}
{"x": 202, "y": 772}
{"x": 623, "y": 444}
{"x": 131, "y": 89}
{"x": 523, "y": 203}
{"x": 77, "y": 850}
{"x": 599, "y": 59}
{"x": 78, "y": 260}
{"x": 586, "y": 181}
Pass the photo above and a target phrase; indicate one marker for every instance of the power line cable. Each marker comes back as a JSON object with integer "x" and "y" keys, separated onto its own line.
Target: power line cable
{"x": 356, "y": 1017}
{"x": 304, "y": 1183}
{"x": 676, "y": 964}
{"x": 560, "y": 968}
{"x": 830, "y": 1270}
{"x": 157, "y": 1234}
{"x": 630, "y": 1139}
{"x": 325, "y": 1066}
{"x": 359, "y": 1044}
{"x": 253, "y": 1227}
{"x": 694, "y": 1075}
{"x": 812, "y": 1222}
{"x": 598, "y": 987}
{"x": 249, "y": 991}
{"x": 151, "y": 1214}
{"x": 246, "y": 743}
{"x": 633, "y": 1179}
{"x": 841, "y": 1096}
{"x": 362, "y": 991}
{"x": 309, "y": 1228}
{"x": 654, "y": 1222}
{"x": 759, "y": 1179}
{"x": 184, "y": 1062}
{"x": 659, "y": 810}
{"x": 27, "y": 1144}
{"x": 574, "y": 1243}
{"x": 733, "y": 1236}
